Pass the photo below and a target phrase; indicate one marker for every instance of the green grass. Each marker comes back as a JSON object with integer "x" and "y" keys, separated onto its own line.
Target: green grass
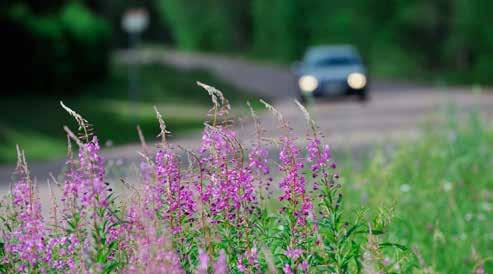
{"x": 441, "y": 189}
{"x": 36, "y": 122}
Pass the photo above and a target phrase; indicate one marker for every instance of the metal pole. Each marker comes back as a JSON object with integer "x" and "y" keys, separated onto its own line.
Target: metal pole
{"x": 133, "y": 74}
{"x": 134, "y": 22}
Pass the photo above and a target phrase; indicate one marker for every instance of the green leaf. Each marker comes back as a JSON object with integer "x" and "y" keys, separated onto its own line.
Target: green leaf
{"x": 402, "y": 247}
{"x": 111, "y": 267}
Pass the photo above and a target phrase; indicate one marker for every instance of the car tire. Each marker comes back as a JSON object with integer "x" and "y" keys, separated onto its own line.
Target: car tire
{"x": 363, "y": 96}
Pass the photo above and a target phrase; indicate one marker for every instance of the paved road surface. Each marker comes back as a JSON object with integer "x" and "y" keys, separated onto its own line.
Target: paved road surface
{"x": 393, "y": 114}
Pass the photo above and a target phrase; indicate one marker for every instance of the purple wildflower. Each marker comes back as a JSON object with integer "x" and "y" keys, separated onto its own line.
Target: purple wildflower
{"x": 151, "y": 253}
{"x": 28, "y": 239}
{"x": 248, "y": 261}
{"x": 294, "y": 253}
{"x": 287, "y": 269}
{"x": 318, "y": 155}
{"x": 173, "y": 199}
{"x": 203, "y": 262}
{"x": 241, "y": 267}
{"x": 293, "y": 184}
{"x": 258, "y": 159}
{"x": 480, "y": 270}
{"x": 303, "y": 266}
{"x": 220, "y": 267}
{"x": 230, "y": 183}
{"x": 94, "y": 192}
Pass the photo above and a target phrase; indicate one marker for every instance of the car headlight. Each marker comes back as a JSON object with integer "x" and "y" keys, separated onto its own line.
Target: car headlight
{"x": 308, "y": 83}
{"x": 356, "y": 80}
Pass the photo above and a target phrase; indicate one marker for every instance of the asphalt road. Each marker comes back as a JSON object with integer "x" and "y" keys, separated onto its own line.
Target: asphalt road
{"x": 393, "y": 114}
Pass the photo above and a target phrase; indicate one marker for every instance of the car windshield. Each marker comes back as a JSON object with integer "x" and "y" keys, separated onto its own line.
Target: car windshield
{"x": 331, "y": 56}
{"x": 333, "y": 61}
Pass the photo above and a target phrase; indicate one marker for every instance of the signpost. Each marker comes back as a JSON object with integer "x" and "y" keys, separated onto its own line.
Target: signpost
{"x": 134, "y": 22}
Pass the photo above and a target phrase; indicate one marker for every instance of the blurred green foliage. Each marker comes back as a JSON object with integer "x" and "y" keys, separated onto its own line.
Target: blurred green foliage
{"x": 58, "y": 50}
{"x": 37, "y": 125}
{"x": 416, "y": 39}
{"x": 416, "y": 36}
{"x": 440, "y": 189}
{"x": 61, "y": 45}
{"x": 206, "y": 25}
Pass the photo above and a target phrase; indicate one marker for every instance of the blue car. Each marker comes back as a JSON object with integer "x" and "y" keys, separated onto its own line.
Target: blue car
{"x": 331, "y": 70}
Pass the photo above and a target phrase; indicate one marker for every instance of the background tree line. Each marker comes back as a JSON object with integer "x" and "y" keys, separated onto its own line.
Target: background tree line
{"x": 62, "y": 44}
{"x": 397, "y": 37}
{"x": 52, "y": 46}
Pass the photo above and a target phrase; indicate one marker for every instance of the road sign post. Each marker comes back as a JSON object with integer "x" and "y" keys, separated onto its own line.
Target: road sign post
{"x": 134, "y": 22}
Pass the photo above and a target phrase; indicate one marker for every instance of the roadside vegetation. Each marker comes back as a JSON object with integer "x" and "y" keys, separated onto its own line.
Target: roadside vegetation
{"x": 208, "y": 213}
{"x": 443, "y": 42}
{"x": 35, "y": 123}
{"x": 425, "y": 207}
{"x": 440, "y": 190}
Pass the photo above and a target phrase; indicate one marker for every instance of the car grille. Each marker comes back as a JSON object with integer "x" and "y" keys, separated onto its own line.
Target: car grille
{"x": 332, "y": 86}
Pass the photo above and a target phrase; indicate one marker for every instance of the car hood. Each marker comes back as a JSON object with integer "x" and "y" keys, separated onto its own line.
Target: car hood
{"x": 332, "y": 73}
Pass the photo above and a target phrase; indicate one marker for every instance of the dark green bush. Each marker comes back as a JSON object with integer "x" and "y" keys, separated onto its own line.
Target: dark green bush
{"x": 88, "y": 38}
{"x": 54, "y": 52}
{"x": 220, "y": 25}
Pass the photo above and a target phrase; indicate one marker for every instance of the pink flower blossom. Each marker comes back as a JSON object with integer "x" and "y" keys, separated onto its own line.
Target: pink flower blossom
{"x": 294, "y": 253}
{"x": 93, "y": 187}
{"x": 220, "y": 267}
{"x": 173, "y": 199}
{"x": 293, "y": 183}
{"x": 287, "y": 269}
{"x": 318, "y": 155}
{"x": 203, "y": 262}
